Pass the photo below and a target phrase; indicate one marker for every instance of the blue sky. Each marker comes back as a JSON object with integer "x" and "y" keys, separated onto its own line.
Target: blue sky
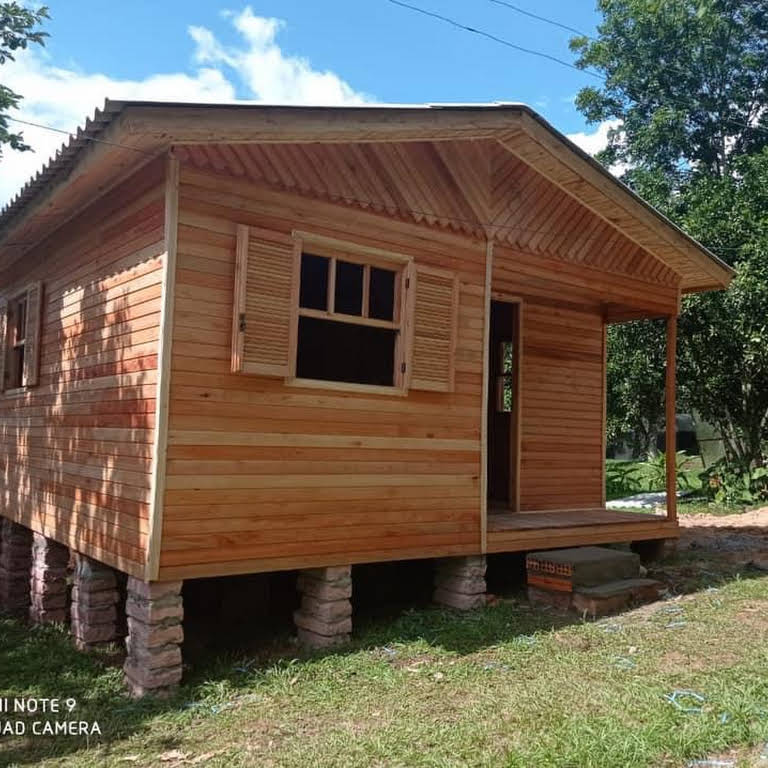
{"x": 291, "y": 51}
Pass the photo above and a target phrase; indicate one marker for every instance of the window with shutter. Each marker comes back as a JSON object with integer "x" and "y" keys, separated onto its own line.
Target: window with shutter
{"x": 266, "y": 287}
{"x": 324, "y": 312}
{"x": 20, "y": 321}
{"x": 433, "y": 329}
{"x": 33, "y": 322}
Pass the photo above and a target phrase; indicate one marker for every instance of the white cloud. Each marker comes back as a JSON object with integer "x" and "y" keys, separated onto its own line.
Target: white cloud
{"x": 593, "y": 142}
{"x": 62, "y": 98}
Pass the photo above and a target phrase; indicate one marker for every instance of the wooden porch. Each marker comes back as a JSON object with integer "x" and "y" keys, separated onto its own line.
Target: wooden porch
{"x": 522, "y": 531}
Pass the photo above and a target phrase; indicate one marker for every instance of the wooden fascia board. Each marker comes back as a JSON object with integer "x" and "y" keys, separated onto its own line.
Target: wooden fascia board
{"x": 192, "y": 125}
{"x": 556, "y": 150}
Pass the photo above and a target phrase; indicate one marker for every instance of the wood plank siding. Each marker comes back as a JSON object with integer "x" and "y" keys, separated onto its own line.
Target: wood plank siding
{"x": 77, "y": 448}
{"x": 263, "y": 475}
{"x": 563, "y": 371}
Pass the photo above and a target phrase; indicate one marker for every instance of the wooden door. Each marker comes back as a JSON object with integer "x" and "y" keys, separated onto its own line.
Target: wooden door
{"x": 504, "y": 405}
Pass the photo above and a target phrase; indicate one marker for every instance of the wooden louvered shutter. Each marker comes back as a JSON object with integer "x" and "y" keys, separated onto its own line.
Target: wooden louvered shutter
{"x": 32, "y": 334}
{"x": 433, "y": 329}
{"x": 266, "y": 302}
{"x": 3, "y": 340}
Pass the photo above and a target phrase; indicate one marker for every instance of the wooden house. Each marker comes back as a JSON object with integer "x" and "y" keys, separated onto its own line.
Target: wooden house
{"x": 241, "y": 339}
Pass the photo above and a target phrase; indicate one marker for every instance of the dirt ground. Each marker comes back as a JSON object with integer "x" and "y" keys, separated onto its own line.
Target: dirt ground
{"x": 740, "y": 538}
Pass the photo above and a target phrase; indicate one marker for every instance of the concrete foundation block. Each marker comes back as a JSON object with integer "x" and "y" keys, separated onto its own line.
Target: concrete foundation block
{"x": 15, "y": 566}
{"x": 314, "y": 641}
{"x": 48, "y": 580}
{"x": 153, "y": 664}
{"x": 168, "y": 608}
{"x": 325, "y": 616}
{"x": 460, "y": 582}
{"x": 325, "y": 590}
{"x": 458, "y": 601}
{"x": 142, "y": 681}
{"x": 326, "y": 610}
{"x": 95, "y": 603}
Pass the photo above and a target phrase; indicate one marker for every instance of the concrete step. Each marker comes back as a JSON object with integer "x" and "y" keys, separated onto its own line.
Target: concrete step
{"x": 570, "y": 569}
{"x": 599, "y": 600}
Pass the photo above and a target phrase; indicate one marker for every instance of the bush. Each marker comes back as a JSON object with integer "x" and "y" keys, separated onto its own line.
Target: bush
{"x": 734, "y": 485}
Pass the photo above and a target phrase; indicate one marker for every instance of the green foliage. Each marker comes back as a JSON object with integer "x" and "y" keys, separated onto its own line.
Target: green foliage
{"x": 622, "y": 478}
{"x": 18, "y": 28}
{"x": 687, "y": 79}
{"x": 635, "y": 411}
{"x": 656, "y": 471}
{"x": 727, "y": 483}
{"x": 687, "y": 84}
{"x": 724, "y": 335}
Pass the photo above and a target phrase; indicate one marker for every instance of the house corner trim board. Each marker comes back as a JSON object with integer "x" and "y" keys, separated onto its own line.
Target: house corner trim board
{"x": 160, "y": 439}
{"x": 484, "y": 397}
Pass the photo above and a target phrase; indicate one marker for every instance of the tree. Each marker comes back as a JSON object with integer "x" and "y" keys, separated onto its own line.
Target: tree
{"x": 635, "y": 377}
{"x": 17, "y": 31}
{"x": 724, "y": 335}
{"x": 687, "y": 83}
{"x": 687, "y": 79}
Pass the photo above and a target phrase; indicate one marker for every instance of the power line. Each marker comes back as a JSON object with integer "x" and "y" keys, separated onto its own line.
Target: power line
{"x": 488, "y": 35}
{"x": 555, "y": 59}
{"x": 541, "y": 18}
{"x": 74, "y": 136}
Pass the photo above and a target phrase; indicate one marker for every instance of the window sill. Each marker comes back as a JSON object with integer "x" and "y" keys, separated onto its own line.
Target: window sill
{"x": 15, "y": 392}
{"x": 347, "y": 386}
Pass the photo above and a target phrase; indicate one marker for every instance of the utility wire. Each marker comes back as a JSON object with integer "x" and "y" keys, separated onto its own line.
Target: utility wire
{"x": 562, "y": 62}
{"x": 541, "y": 18}
{"x": 496, "y": 39}
{"x": 75, "y": 136}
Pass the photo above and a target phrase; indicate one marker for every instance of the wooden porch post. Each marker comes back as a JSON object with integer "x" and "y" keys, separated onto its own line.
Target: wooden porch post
{"x": 671, "y": 418}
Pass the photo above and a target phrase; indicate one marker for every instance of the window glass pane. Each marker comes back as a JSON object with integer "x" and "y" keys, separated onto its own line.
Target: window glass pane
{"x": 507, "y": 356}
{"x": 313, "y": 293}
{"x": 349, "y": 288}
{"x": 506, "y": 394}
{"x": 335, "y": 351}
{"x": 381, "y": 299}
{"x": 21, "y": 319}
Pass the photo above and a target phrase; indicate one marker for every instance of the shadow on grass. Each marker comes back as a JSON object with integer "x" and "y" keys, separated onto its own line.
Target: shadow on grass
{"x": 41, "y": 662}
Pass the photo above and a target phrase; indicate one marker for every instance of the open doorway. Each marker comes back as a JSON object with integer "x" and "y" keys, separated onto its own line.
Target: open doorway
{"x": 504, "y": 405}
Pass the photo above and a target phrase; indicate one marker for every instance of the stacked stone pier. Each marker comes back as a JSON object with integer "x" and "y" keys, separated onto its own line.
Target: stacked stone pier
{"x": 15, "y": 566}
{"x": 95, "y": 600}
{"x": 48, "y": 583}
{"x": 155, "y": 633}
{"x": 325, "y": 616}
{"x": 460, "y": 582}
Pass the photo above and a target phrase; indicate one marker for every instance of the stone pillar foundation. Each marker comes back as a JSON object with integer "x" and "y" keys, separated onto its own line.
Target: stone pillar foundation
{"x": 48, "y": 580}
{"x": 94, "y": 603}
{"x": 15, "y": 564}
{"x": 460, "y": 582}
{"x": 325, "y": 616}
{"x": 155, "y": 633}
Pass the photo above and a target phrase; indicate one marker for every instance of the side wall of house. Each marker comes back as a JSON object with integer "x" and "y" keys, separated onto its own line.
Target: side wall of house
{"x": 77, "y": 448}
{"x": 563, "y": 370}
{"x": 264, "y": 476}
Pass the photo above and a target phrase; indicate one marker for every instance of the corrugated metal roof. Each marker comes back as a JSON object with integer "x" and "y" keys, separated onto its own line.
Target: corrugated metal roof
{"x": 59, "y": 167}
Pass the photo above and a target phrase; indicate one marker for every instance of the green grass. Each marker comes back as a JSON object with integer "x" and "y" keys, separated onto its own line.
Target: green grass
{"x": 503, "y": 686}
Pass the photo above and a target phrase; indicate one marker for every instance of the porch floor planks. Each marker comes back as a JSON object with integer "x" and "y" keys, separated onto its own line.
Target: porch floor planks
{"x": 520, "y": 531}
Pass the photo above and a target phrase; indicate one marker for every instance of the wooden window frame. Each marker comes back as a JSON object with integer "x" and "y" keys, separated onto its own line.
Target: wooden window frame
{"x": 14, "y": 344}
{"x": 341, "y": 250}
{"x": 11, "y": 338}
